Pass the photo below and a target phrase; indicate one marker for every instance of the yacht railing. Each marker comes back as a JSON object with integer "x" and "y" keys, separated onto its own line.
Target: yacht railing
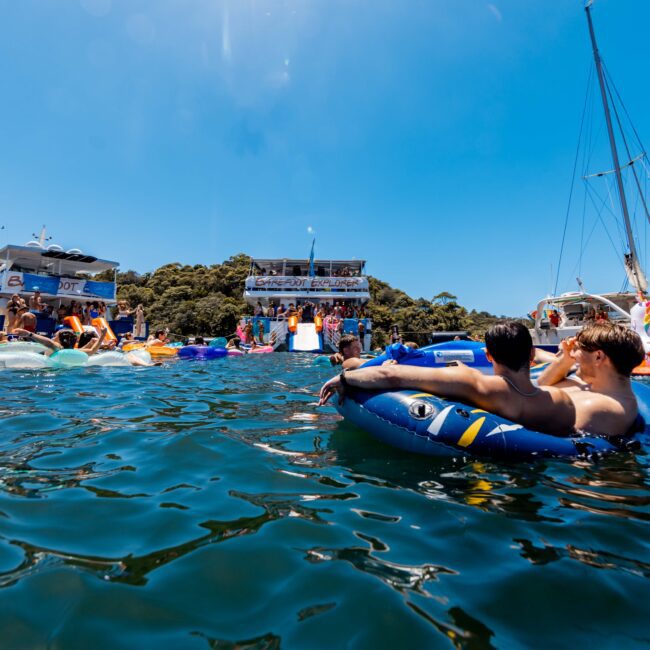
{"x": 331, "y": 337}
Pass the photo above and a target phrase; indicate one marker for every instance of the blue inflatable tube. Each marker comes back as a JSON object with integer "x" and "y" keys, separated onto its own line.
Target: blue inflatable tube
{"x": 202, "y": 352}
{"x": 471, "y": 353}
{"x": 425, "y": 424}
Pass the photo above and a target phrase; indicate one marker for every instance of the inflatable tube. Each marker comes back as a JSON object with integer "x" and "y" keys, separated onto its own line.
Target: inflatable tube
{"x": 113, "y": 359}
{"x": 219, "y": 342}
{"x": 129, "y": 347}
{"x": 202, "y": 352}
{"x": 22, "y": 346}
{"x": 471, "y": 353}
{"x": 69, "y": 358}
{"x": 99, "y": 324}
{"x": 141, "y": 354}
{"x": 322, "y": 360}
{"x": 162, "y": 351}
{"x": 261, "y": 349}
{"x": 24, "y": 360}
{"x": 422, "y": 423}
{"x": 234, "y": 352}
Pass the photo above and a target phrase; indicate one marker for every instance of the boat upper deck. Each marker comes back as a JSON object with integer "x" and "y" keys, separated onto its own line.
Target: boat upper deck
{"x": 298, "y": 279}
{"x": 53, "y": 272}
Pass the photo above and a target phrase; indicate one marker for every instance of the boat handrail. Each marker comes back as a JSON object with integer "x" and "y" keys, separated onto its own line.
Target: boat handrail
{"x": 595, "y": 296}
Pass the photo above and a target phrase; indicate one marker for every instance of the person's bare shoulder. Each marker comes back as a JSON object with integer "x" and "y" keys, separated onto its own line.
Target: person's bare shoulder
{"x": 352, "y": 363}
{"x": 602, "y": 414}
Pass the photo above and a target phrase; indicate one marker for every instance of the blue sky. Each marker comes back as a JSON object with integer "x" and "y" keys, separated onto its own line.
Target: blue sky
{"x": 434, "y": 138}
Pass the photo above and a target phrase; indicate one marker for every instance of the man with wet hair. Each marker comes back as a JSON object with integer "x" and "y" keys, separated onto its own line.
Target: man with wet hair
{"x": 605, "y": 354}
{"x": 349, "y": 354}
{"x": 508, "y": 393}
{"x": 510, "y": 345}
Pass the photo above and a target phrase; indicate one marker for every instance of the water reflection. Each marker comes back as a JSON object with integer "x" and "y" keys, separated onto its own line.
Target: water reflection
{"x": 233, "y": 464}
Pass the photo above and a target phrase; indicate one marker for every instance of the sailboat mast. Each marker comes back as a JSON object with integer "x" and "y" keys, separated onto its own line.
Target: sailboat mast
{"x": 631, "y": 261}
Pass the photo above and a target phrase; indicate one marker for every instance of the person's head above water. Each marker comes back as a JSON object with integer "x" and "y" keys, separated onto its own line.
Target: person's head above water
{"x": 67, "y": 339}
{"x": 509, "y": 344}
{"x": 619, "y": 345}
{"x": 349, "y": 346}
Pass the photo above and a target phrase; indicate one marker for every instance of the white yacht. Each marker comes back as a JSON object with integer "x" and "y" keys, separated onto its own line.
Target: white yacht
{"x": 61, "y": 276}
{"x": 557, "y": 317}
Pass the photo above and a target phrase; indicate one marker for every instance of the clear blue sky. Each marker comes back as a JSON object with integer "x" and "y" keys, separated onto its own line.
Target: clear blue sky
{"x": 434, "y": 138}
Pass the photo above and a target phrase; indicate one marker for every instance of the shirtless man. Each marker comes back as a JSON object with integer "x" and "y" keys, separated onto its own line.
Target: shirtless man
{"x": 24, "y": 320}
{"x": 508, "y": 393}
{"x": 349, "y": 354}
{"x": 605, "y": 354}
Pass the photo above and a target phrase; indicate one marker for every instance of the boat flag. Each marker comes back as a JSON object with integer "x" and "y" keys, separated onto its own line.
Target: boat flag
{"x": 311, "y": 259}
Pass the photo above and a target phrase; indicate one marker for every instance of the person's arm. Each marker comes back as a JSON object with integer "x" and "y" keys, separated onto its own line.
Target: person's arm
{"x": 458, "y": 382}
{"x": 336, "y": 359}
{"x": 560, "y": 367}
{"x": 544, "y": 356}
{"x": 43, "y": 340}
{"x": 97, "y": 342}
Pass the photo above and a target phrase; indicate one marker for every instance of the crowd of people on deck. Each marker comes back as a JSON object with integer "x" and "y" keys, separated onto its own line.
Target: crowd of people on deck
{"x": 22, "y": 316}
{"x": 23, "y": 312}
{"x": 332, "y": 315}
{"x": 296, "y": 271}
{"x": 307, "y": 310}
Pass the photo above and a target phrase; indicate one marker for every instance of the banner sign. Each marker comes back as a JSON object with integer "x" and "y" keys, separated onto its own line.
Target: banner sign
{"x": 44, "y": 284}
{"x": 104, "y": 290}
{"x": 15, "y": 282}
{"x": 306, "y": 283}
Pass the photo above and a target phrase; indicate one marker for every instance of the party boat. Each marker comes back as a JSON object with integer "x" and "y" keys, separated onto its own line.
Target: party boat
{"x": 311, "y": 285}
{"x": 60, "y": 276}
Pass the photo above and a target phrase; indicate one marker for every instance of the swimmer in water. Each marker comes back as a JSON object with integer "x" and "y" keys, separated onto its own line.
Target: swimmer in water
{"x": 63, "y": 340}
{"x": 160, "y": 338}
{"x": 233, "y": 344}
{"x": 349, "y": 354}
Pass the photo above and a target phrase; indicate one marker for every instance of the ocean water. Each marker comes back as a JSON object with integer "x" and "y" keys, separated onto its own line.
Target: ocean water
{"x": 212, "y": 505}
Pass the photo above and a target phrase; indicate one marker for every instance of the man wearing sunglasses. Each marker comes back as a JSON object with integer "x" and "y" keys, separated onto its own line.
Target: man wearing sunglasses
{"x": 605, "y": 355}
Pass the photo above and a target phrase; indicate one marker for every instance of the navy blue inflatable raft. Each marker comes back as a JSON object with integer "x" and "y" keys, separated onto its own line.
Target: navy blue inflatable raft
{"x": 425, "y": 424}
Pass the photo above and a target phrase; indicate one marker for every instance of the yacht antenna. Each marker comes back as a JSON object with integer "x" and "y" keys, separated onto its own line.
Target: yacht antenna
{"x": 631, "y": 259}
{"x": 42, "y": 237}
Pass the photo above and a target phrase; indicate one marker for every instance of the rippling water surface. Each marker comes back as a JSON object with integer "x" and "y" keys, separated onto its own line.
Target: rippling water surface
{"x": 212, "y": 505}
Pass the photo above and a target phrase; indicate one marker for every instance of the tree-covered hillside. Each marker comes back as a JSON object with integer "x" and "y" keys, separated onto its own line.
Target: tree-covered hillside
{"x": 207, "y": 300}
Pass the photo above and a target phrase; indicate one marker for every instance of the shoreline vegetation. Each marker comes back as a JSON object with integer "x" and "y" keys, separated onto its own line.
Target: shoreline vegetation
{"x": 207, "y": 301}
